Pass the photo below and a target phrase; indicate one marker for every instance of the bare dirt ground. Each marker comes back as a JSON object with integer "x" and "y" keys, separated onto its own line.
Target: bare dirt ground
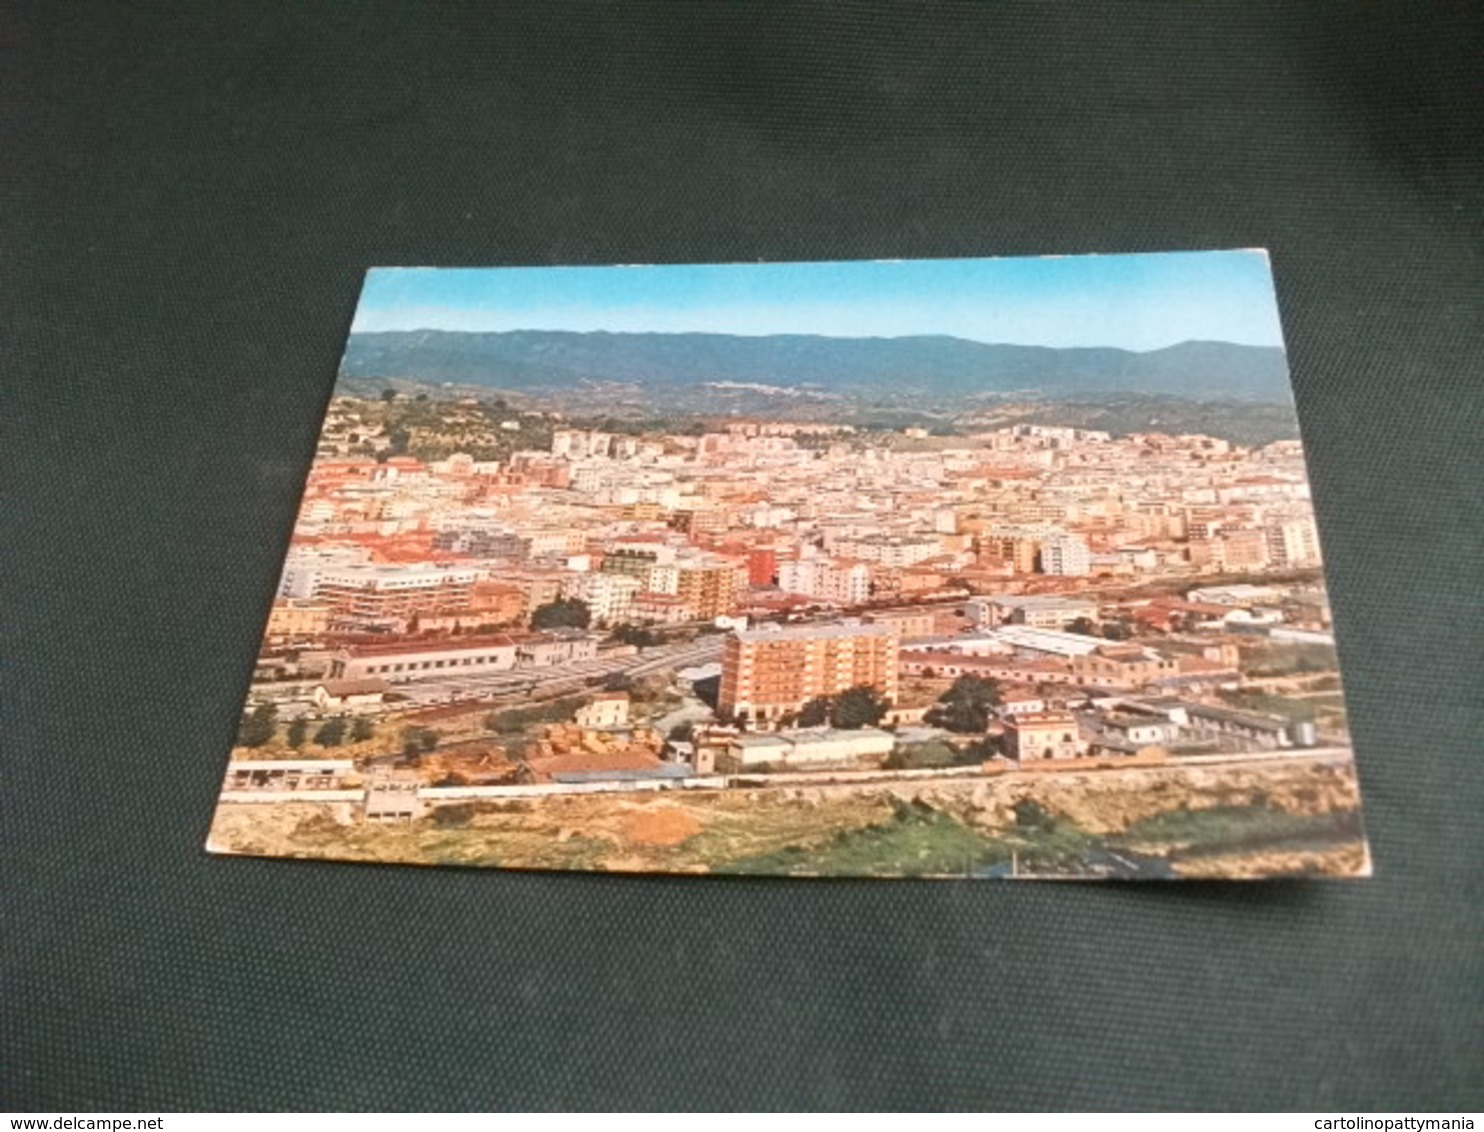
{"x": 661, "y": 826}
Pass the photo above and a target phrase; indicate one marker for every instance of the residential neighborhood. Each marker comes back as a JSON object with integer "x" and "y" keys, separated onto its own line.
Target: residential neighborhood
{"x": 509, "y": 605}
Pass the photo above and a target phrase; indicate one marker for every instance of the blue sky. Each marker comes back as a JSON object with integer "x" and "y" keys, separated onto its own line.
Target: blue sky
{"x": 1138, "y": 302}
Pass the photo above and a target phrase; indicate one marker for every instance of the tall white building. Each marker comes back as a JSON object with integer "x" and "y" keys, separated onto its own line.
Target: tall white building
{"x": 889, "y": 550}
{"x": 305, "y": 565}
{"x": 609, "y": 597}
{"x": 1065, "y": 554}
{"x": 841, "y": 583}
{"x": 799, "y": 575}
{"x": 846, "y": 583}
{"x": 1293, "y": 543}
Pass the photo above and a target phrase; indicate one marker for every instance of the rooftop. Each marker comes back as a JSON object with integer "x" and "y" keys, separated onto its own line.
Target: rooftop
{"x": 761, "y": 742}
{"x": 1049, "y": 640}
{"x": 822, "y": 735}
{"x": 454, "y": 644}
{"x": 364, "y": 687}
{"x": 1241, "y": 718}
{"x": 1040, "y": 719}
{"x": 1033, "y": 603}
{"x": 838, "y": 631}
{"x": 1131, "y": 719}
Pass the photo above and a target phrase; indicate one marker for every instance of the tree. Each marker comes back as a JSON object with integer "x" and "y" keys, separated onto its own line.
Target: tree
{"x": 298, "y": 732}
{"x": 966, "y": 705}
{"x": 858, "y": 707}
{"x": 362, "y": 729}
{"x": 514, "y": 721}
{"x": 564, "y": 613}
{"x": 815, "y": 713}
{"x": 419, "y": 741}
{"x": 332, "y": 732}
{"x": 683, "y": 732}
{"x": 388, "y": 395}
{"x": 1118, "y": 630}
{"x": 915, "y": 756}
{"x": 258, "y": 726}
{"x": 636, "y": 635}
{"x": 651, "y": 687}
{"x": 1084, "y": 625}
{"x": 980, "y": 751}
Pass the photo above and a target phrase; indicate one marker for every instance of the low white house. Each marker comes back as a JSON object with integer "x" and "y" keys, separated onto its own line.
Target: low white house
{"x": 808, "y": 747}
{"x": 1020, "y": 703}
{"x": 1141, "y": 728}
{"x": 348, "y": 695}
{"x": 608, "y": 709}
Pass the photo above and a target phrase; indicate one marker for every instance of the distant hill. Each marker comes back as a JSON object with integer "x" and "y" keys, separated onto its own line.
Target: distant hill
{"x": 931, "y": 368}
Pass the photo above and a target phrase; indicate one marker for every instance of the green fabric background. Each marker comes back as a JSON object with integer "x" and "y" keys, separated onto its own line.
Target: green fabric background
{"x": 192, "y": 194}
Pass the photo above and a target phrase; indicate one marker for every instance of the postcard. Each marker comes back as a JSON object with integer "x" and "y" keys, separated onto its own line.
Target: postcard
{"x": 999, "y": 568}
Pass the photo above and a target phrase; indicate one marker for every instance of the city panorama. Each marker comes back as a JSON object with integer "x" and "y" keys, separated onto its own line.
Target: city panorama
{"x": 578, "y": 583}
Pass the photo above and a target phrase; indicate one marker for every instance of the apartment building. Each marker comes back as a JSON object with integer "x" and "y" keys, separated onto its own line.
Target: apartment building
{"x": 1292, "y": 543}
{"x": 773, "y": 671}
{"x": 297, "y": 619}
{"x": 1065, "y": 554}
{"x": 482, "y": 542}
{"x": 609, "y": 597}
{"x": 708, "y": 588}
{"x": 381, "y": 593}
{"x": 842, "y": 583}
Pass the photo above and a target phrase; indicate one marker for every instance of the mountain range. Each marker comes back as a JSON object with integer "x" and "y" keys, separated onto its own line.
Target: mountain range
{"x": 935, "y": 368}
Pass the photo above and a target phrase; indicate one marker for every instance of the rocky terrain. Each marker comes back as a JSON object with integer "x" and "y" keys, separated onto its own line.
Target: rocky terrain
{"x": 1272, "y": 818}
